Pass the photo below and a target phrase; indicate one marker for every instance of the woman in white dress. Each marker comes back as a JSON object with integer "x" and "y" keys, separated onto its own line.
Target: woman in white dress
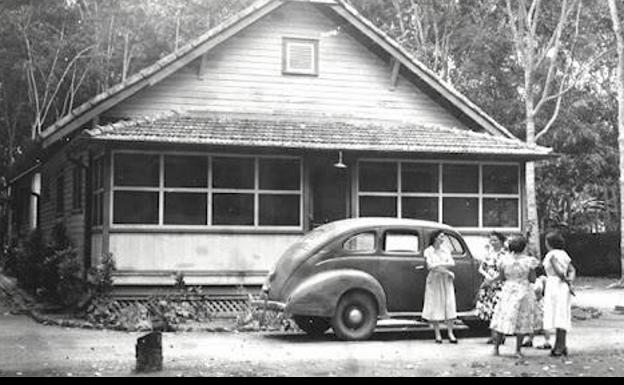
{"x": 558, "y": 293}
{"x": 439, "y": 305}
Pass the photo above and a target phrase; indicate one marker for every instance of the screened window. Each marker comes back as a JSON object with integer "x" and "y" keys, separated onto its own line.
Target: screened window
{"x": 204, "y": 190}
{"x": 300, "y": 56}
{"x": 470, "y": 195}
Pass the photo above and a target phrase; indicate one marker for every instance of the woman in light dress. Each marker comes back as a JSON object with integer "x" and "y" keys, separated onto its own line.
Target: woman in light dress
{"x": 514, "y": 313}
{"x": 440, "y": 305}
{"x": 489, "y": 295}
{"x": 558, "y": 293}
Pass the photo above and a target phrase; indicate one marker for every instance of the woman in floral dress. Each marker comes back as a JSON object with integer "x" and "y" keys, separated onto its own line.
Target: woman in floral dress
{"x": 514, "y": 313}
{"x": 489, "y": 295}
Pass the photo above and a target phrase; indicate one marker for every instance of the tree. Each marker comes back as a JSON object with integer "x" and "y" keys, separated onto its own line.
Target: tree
{"x": 619, "y": 38}
{"x": 546, "y": 41}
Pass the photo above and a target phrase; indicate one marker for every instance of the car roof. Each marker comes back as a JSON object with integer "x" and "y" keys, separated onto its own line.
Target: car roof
{"x": 356, "y": 223}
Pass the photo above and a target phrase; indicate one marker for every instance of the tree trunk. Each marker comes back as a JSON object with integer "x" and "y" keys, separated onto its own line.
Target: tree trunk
{"x": 617, "y": 29}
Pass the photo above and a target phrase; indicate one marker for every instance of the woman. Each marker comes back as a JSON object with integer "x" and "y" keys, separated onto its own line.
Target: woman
{"x": 439, "y": 303}
{"x": 558, "y": 294}
{"x": 514, "y": 313}
{"x": 489, "y": 295}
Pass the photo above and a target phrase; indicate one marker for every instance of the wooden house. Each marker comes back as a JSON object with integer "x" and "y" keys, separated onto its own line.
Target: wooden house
{"x": 289, "y": 115}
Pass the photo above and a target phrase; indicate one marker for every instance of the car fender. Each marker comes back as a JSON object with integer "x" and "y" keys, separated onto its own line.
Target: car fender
{"x": 319, "y": 295}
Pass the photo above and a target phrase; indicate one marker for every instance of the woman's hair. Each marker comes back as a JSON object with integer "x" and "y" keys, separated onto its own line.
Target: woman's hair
{"x": 517, "y": 244}
{"x": 434, "y": 235}
{"x": 501, "y": 237}
{"x": 555, "y": 240}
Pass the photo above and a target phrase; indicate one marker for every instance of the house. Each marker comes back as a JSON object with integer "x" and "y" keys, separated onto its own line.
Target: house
{"x": 291, "y": 114}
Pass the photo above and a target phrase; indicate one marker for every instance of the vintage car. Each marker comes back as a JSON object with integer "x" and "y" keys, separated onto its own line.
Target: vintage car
{"x": 351, "y": 273}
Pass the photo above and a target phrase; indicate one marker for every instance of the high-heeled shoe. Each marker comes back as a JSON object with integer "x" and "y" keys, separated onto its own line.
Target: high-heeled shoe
{"x": 438, "y": 340}
{"x": 453, "y": 340}
{"x": 555, "y": 353}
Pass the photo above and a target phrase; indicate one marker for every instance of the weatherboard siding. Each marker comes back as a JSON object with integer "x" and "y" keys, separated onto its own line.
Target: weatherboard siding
{"x": 244, "y": 75}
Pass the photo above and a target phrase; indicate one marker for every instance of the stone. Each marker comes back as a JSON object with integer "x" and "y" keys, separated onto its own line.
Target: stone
{"x": 149, "y": 356}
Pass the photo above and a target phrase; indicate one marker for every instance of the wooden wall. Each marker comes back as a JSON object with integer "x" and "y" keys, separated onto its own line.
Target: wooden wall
{"x": 244, "y": 75}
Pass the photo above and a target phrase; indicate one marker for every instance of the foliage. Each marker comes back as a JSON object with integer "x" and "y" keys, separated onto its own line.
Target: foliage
{"x": 100, "y": 277}
{"x": 31, "y": 256}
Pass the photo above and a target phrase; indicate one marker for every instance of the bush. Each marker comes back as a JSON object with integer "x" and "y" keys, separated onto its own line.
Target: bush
{"x": 8, "y": 260}
{"x": 100, "y": 277}
{"x": 30, "y": 259}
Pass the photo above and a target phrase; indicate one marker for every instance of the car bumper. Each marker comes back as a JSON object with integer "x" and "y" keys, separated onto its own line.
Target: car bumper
{"x": 264, "y": 304}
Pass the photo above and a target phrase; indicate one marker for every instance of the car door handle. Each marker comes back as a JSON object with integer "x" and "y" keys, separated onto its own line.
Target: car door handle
{"x": 419, "y": 268}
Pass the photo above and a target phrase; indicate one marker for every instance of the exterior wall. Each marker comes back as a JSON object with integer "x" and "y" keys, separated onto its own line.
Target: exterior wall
{"x": 71, "y": 218}
{"x": 244, "y": 75}
{"x": 216, "y": 257}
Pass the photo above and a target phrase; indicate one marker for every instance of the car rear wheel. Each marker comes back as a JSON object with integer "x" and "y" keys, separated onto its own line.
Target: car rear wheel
{"x": 356, "y": 316}
{"x": 313, "y": 326}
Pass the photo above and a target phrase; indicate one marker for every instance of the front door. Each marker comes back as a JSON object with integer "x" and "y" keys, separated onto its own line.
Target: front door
{"x": 329, "y": 194}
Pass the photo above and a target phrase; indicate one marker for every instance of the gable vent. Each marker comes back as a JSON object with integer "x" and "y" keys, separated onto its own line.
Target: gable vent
{"x": 300, "y": 56}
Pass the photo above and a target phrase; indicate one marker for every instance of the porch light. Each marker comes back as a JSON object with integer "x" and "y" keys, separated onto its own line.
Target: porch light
{"x": 340, "y": 164}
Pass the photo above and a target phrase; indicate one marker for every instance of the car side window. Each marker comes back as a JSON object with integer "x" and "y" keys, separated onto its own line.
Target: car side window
{"x": 456, "y": 247}
{"x": 401, "y": 242}
{"x": 363, "y": 242}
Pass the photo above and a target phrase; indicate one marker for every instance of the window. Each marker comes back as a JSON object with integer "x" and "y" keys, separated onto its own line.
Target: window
{"x": 202, "y": 190}
{"x": 401, "y": 242}
{"x": 469, "y": 195}
{"x": 300, "y": 56}
{"x": 60, "y": 194}
{"x": 78, "y": 182}
{"x": 455, "y": 246}
{"x": 97, "y": 192}
{"x": 364, "y": 242}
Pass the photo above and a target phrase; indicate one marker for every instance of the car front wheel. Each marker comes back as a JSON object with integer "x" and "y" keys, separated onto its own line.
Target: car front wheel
{"x": 356, "y": 316}
{"x": 313, "y": 326}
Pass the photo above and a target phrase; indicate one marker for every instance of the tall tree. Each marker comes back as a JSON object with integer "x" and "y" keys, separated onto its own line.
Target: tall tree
{"x": 615, "y": 12}
{"x": 546, "y": 40}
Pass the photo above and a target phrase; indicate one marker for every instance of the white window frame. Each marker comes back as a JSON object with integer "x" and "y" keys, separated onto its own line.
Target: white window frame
{"x": 312, "y": 43}
{"x": 209, "y": 191}
{"x": 440, "y": 195}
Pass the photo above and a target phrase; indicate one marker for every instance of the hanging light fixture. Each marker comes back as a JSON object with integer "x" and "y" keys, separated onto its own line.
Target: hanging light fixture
{"x": 340, "y": 163}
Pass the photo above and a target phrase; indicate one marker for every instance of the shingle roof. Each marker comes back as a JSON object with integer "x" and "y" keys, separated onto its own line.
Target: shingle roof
{"x": 315, "y": 135}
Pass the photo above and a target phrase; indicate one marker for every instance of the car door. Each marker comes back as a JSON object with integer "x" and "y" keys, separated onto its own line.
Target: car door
{"x": 402, "y": 271}
{"x": 464, "y": 272}
{"x": 355, "y": 251}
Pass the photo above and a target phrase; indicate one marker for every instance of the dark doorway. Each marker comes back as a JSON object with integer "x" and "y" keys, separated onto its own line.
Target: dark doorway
{"x": 329, "y": 194}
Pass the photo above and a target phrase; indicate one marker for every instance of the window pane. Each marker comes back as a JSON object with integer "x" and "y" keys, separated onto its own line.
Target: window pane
{"x": 420, "y": 208}
{"x": 134, "y": 207}
{"x": 279, "y": 174}
{"x": 186, "y": 171}
{"x": 233, "y": 209}
{"x": 361, "y": 242}
{"x": 402, "y": 242}
{"x": 378, "y": 177}
{"x": 461, "y": 179}
{"x": 186, "y": 209}
{"x": 500, "y": 179}
{"x": 461, "y": 212}
{"x": 456, "y": 247}
{"x": 421, "y": 178}
{"x": 137, "y": 170}
{"x": 233, "y": 173}
{"x": 378, "y": 207}
{"x": 500, "y": 212}
{"x": 279, "y": 210}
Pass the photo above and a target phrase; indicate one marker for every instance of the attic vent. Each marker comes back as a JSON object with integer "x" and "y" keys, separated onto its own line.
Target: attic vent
{"x": 300, "y": 56}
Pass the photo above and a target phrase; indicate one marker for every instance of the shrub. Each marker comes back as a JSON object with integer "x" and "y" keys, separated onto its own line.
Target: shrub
{"x": 30, "y": 259}
{"x": 100, "y": 277}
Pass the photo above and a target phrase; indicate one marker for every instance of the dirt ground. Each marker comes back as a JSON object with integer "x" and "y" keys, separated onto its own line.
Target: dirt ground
{"x": 31, "y": 349}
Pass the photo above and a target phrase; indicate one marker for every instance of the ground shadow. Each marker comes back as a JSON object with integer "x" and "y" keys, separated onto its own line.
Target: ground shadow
{"x": 405, "y": 334}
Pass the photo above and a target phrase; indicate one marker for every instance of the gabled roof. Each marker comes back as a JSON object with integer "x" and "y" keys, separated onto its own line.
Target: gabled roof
{"x": 198, "y": 47}
{"x": 315, "y": 135}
